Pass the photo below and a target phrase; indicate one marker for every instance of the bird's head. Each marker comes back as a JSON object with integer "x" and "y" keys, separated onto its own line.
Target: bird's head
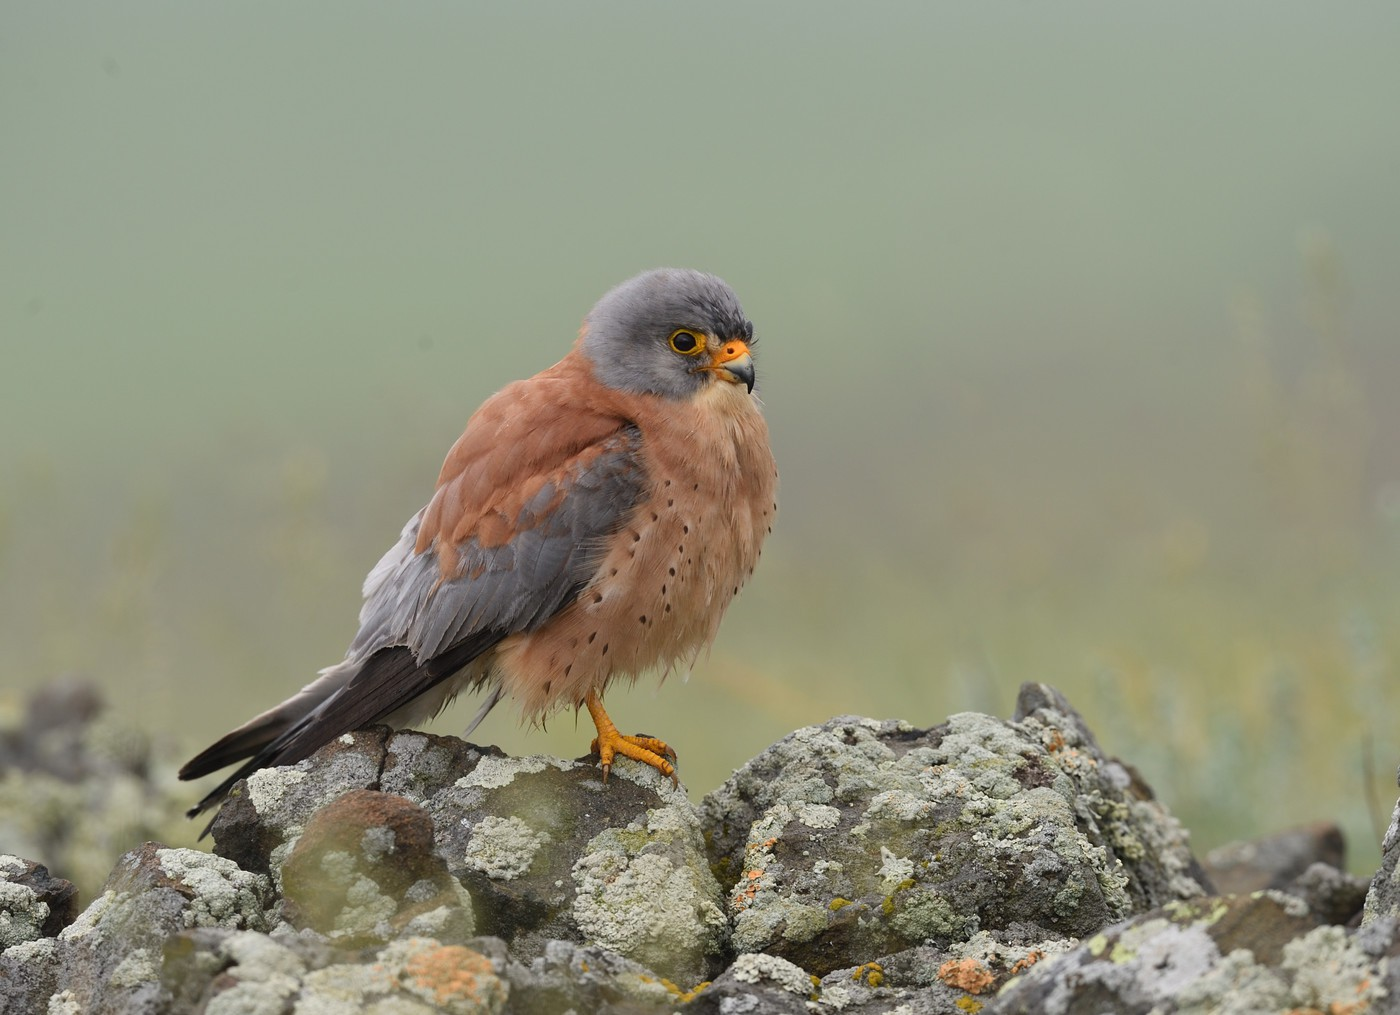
{"x": 670, "y": 332}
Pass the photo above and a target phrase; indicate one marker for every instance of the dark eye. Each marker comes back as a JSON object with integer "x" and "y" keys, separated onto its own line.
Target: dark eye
{"x": 687, "y": 343}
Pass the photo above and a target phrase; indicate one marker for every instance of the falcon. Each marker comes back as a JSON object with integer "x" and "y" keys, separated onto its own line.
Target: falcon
{"x": 592, "y": 523}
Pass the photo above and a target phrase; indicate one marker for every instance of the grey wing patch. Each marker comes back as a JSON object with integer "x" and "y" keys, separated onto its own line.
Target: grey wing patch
{"x": 516, "y": 586}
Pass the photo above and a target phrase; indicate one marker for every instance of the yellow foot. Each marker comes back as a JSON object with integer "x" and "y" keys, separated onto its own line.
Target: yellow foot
{"x": 609, "y": 743}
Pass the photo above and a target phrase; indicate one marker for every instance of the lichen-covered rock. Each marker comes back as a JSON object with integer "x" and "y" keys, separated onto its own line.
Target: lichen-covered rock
{"x": 1308, "y": 862}
{"x": 264, "y": 815}
{"x": 230, "y": 972}
{"x": 549, "y": 853}
{"x": 1264, "y": 952}
{"x": 1383, "y": 899}
{"x": 586, "y": 978}
{"x": 546, "y": 851}
{"x": 759, "y": 983}
{"x": 860, "y": 838}
{"x": 33, "y": 903}
{"x": 365, "y": 872}
{"x": 109, "y": 958}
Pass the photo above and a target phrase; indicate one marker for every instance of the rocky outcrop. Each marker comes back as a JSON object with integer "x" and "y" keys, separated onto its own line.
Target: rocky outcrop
{"x": 857, "y": 866}
{"x": 863, "y": 838}
{"x": 33, "y": 903}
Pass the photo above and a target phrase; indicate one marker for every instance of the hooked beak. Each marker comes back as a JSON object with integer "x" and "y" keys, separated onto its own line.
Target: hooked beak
{"x": 734, "y": 363}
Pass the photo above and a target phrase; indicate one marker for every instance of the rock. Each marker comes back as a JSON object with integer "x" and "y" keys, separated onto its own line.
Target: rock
{"x": 545, "y": 850}
{"x": 1383, "y": 899}
{"x": 241, "y": 971}
{"x": 550, "y": 853}
{"x": 860, "y": 838}
{"x": 1308, "y": 862}
{"x": 109, "y": 959}
{"x": 867, "y": 866}
{"x": 587, "y": 978}
{"x": 760, "y": 984}
{"x": 1238, "y": 868}
{"x": 1334, "y": 895}
{"x": 264, "y": 815}
{"x": 33, "y": 904}
{"x": 1234, "y": 954}
{"x": 365, "y": 872}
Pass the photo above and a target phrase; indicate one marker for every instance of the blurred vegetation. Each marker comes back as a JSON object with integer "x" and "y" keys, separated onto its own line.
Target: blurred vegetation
{"x": 1077, "y": 346}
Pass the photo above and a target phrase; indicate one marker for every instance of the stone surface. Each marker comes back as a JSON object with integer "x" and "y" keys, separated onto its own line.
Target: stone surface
{"x": 1264, "y": 952}
{"x": 1383, "y": 899}
{"x": 860, "y": 838}
{"x": 545, "y": 850}
{"x": 868, "y": 866}
{"x": 1308, "y": 861}
{"x": 365, "y": 872}
{"x": 227, "y": 972}
{"x": 33, "y": 903}
{"x": 109, "y": 959}
{"x": 1274, "y": 861}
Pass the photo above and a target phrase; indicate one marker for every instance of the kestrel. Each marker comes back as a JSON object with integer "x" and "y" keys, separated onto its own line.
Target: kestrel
{"x": 592, "y": 523}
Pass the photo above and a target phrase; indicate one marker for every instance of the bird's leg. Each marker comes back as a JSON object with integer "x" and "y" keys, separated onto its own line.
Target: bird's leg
{"x": 647, "y": 750}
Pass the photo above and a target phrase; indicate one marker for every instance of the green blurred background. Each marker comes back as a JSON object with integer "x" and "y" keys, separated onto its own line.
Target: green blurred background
{"x": 1078, "y": 347}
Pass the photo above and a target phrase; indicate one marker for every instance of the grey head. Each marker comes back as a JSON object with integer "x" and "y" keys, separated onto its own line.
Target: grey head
{"x": 670, "y": 332}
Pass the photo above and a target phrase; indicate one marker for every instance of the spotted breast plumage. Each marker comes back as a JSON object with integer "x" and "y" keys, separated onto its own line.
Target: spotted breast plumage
{"x": 592, "y": 523}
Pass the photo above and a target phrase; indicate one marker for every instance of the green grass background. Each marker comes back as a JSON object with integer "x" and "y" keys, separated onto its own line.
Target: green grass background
{"x": 1077, "y": 326}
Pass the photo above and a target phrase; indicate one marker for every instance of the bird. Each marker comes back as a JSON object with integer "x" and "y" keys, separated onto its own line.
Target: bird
{"x": 593, "y": 523}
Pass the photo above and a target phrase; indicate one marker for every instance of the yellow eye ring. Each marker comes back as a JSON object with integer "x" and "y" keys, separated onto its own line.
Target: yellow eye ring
{"x": 687, "y": 342}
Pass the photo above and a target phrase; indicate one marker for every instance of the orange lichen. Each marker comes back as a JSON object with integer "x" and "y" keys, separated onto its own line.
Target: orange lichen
{"x": 966, "y": 974}
{"x": 1032, "y": 957}
{"x": 446, "y": 972}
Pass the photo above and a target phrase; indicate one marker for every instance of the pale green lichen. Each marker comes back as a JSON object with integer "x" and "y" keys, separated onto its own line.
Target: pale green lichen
{"x": 267, "y": 786}
{"x": 377, "y": 842}
{"x": 924, "y": 915}
{"x": 1331, "y": 973}
{"x": 893, "y": 869}
{"x": 645, "y": 907}
{"x": 503, "y": 848}
{"x": 366, "y": 905}
{"x": 818, "y": 815}
{"x": 1236, "y": 985}
{"x": 752, "y": 967}
{"x": 22, "y": 914}
{"x": 89, "y": 921}
{"x": 137, "y": 967}
{"x": 225, "y": 895}
{"x": 802, "y": 922}
{"x": 65, "y": 1002}
{"x": 493, "y": 772}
